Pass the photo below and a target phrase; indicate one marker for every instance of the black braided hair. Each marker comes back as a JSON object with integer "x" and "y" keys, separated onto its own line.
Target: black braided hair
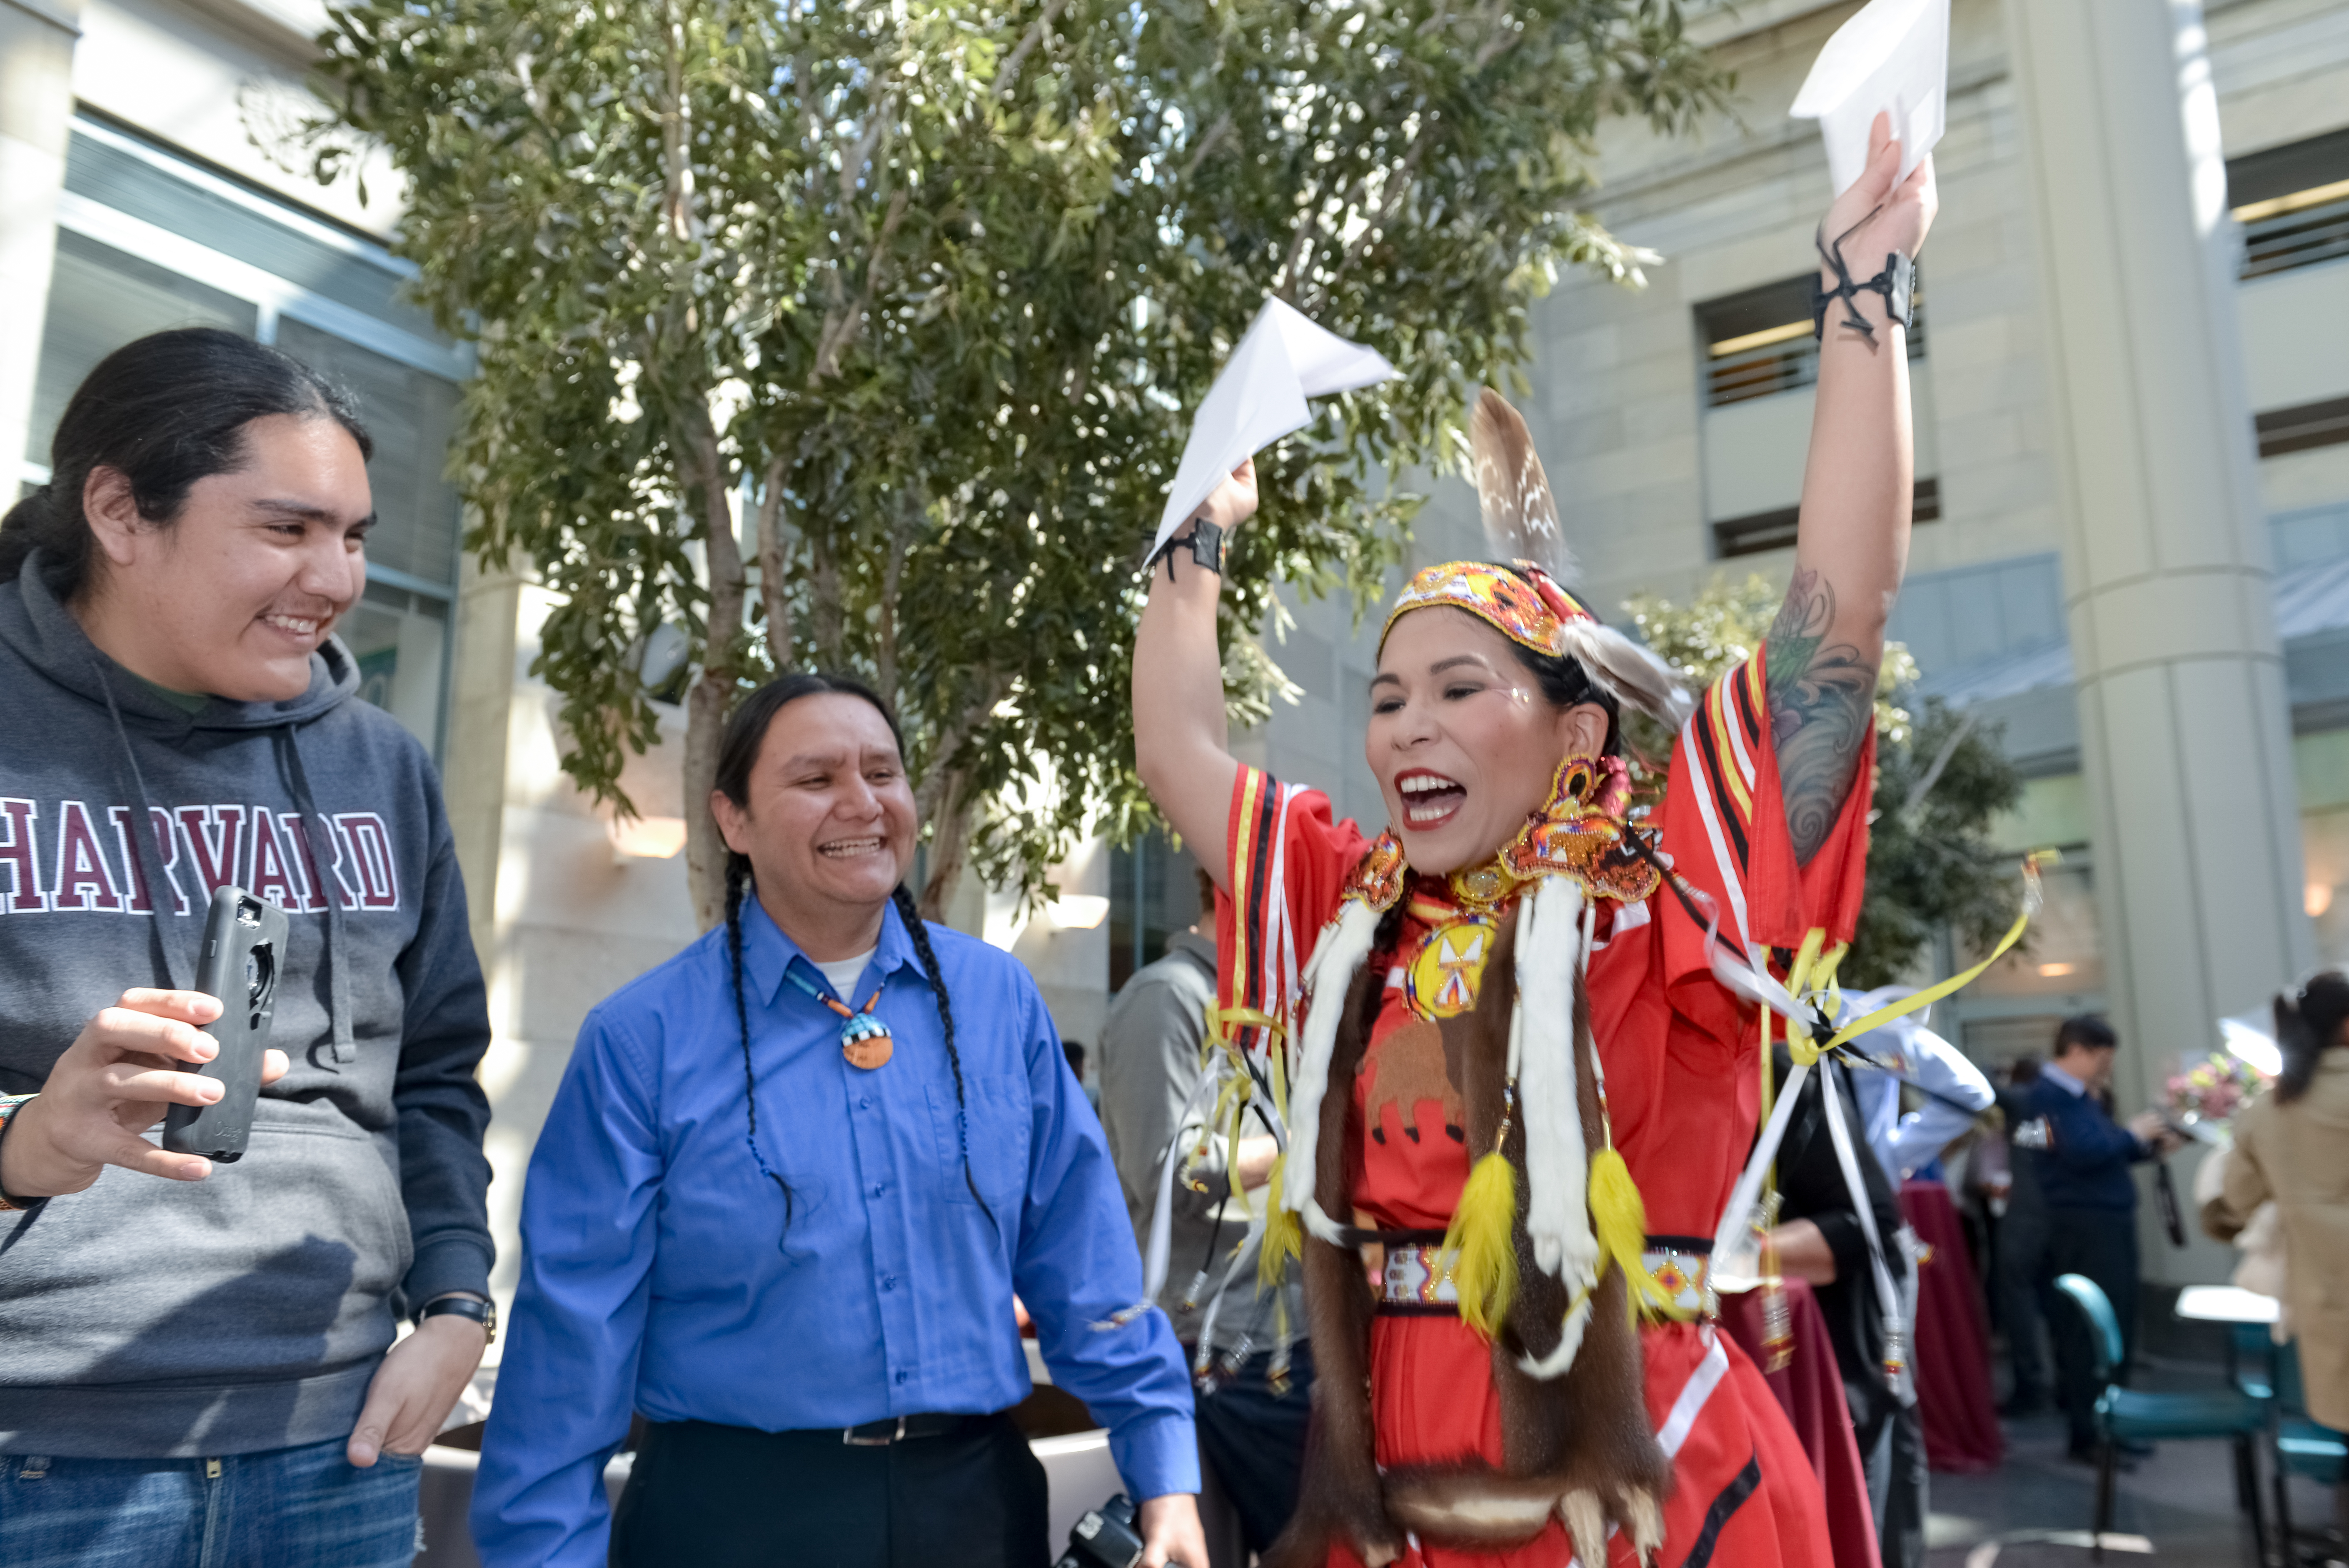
{"x": 738, "y": 750}
{"x": 737, "y": 878}
{"x": 910, "y": 912}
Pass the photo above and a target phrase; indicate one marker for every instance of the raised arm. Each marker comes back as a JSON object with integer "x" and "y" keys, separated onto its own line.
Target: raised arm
{"x": 1182, "y": 742}
{"x": 1852, "y": 543}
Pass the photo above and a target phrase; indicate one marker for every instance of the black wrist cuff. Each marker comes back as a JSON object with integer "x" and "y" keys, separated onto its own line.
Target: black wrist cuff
{"x": 1897, "y": 283}
{"x": 1205, "y": 542}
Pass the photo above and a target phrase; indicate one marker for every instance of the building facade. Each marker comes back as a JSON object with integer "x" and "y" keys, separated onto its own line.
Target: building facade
{"x": 2133, "y": 548}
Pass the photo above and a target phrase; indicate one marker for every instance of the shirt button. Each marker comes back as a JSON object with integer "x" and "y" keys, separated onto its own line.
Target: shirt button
{"x": 878, "y": 1189}
{"x": 888, "y": 1281}
{"x": 863, "y": 1102}
{"x": 901, "y": 1377}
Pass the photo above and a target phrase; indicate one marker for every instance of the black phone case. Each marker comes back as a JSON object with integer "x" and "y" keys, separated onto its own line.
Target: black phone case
{"x": 244, "y": 944}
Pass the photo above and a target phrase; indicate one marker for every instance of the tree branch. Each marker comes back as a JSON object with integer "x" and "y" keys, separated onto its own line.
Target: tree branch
{"x": 1009, "y": 77}
{"x": 1207, "y": 143}
{"x": 893, "y": 573}
{"x": 845, "y": 322}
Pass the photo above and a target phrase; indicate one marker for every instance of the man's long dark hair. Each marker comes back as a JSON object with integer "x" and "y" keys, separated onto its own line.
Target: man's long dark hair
{"x": 737, "y": 753}
{"x": 2307, "y": 1024}
{"x": 163, "y": 412}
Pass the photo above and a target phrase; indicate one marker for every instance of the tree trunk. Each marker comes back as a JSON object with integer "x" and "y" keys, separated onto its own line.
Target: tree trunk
{"x": 943, "y": 798}
{"x": 828, "y": 626}
{"x": 711, "y": 699}
{"x": 949, "y": 842}
{"x": 770, "y": 569}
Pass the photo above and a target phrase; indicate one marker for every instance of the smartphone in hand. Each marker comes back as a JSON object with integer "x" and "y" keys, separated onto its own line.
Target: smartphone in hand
{"x": 244, "y": 948}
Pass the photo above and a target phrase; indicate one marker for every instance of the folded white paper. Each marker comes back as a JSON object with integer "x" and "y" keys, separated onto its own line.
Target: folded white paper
{"x": 1892, "y": 57}
{"x": 1282, "y": 360}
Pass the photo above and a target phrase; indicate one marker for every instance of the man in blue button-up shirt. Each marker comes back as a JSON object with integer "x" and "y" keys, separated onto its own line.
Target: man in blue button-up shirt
{"x": 761, "y": 1295}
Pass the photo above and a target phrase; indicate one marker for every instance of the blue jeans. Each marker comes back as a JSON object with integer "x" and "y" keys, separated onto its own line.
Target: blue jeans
{"x": 281, "y": 1507}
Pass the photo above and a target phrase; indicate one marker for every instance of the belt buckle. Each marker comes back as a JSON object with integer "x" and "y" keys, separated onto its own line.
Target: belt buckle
{"x": 848, "y": 1437}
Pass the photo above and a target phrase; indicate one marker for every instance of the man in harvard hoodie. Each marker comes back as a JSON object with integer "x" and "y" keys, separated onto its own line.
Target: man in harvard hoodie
{"x": 194, "y": 1366}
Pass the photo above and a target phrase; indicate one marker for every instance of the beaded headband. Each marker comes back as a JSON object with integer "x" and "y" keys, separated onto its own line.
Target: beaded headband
{"x": 1526, "y": 606}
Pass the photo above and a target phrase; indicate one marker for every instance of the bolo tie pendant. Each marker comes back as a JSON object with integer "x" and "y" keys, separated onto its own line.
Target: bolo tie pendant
{"x": 865, "y": 1040}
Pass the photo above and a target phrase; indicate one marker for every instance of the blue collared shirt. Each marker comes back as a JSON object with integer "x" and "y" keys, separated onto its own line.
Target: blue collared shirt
{"x": 658, "y": 1274}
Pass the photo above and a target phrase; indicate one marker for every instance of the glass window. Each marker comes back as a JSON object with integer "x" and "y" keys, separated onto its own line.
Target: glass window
{"x": 99, "y": 299}
{"x": 2066, "y": 954}
{"x": 2293, "y": 203}
{"x": 412, "y": 416}
{"x": 400, "y": 640}
{"x": 1154, "y": 893}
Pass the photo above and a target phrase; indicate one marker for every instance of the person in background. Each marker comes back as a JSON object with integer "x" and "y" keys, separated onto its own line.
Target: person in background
{"x": 1952, "y": 1090}
{"x": 782, "y": 1201}
{"x": 2019, "y": 1281}
{"x": 199, "y": 1361}
{"x": 1820, "y": 1239}
{"x": 1153, "y": 1049}
{"x": 2083, "y": 1175}
{"x": 2292, "y": 1146}
{"x": 1075, "y": 1053}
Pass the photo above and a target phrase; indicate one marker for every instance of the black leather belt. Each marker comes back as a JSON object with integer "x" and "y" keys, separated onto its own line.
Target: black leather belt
{"x": 899, "y": 1428}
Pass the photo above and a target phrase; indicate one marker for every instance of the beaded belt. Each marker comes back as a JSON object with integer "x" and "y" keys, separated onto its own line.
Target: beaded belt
{"x": 1417, "y": 1281}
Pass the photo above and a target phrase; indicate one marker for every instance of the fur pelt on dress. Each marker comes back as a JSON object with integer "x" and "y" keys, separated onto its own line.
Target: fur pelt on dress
{"x": 1577, "y": 1448}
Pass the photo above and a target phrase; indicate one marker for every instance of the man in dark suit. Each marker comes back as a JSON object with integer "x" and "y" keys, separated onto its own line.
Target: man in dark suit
{"x": 2082, "y": 1171}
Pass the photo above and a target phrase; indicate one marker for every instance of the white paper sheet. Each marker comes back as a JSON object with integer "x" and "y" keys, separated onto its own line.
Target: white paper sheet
{"x": 1282, "y": 360}
{"x": 1893, "y": 57}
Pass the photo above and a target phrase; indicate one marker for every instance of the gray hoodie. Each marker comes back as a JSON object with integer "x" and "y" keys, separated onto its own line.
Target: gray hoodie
{"x": 146, "y": 1318}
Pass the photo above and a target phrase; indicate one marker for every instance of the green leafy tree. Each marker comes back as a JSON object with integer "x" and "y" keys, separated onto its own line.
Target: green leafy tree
{"x": 867, "y": 336}
{"x": 1940, "y": 780}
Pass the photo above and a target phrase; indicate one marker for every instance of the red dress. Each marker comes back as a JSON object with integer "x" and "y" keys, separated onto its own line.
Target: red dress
{"x": 1678, "y": 1052}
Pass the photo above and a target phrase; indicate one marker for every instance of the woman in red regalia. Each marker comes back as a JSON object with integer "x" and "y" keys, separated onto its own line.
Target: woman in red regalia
{"x": 1509, "y": 1063}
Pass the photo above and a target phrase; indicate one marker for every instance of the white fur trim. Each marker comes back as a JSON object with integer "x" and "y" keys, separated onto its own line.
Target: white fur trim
{"x": 1337, "y": 958}
{"x": 1569, "y": 1343}
{"x": 1557, "y": 1166}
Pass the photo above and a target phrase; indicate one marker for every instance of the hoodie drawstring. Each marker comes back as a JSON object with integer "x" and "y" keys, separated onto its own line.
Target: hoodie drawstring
{"x": 151, "y": 866}
{"x": 344, "y": 1050}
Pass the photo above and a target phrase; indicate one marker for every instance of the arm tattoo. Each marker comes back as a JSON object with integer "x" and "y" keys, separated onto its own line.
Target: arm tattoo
{"x": 1822, "y": 702}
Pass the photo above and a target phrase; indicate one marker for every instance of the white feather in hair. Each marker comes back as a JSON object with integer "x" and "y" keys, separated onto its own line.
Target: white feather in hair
{"x": 1636, "y": 676}
{"x": 1521, "y": 523}
{"x": 1519, "y": 509}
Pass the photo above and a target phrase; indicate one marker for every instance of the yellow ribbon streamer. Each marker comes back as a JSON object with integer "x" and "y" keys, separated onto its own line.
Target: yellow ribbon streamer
{"x": 1933, "y": 993}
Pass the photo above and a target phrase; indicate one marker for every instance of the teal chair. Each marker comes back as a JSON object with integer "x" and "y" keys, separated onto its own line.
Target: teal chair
{"x": 2124, "y": 1415}
{"x": 2302, "y": 1446}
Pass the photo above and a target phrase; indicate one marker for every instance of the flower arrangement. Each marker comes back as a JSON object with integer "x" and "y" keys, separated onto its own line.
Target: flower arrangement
{"x": 2205, "y": 1097}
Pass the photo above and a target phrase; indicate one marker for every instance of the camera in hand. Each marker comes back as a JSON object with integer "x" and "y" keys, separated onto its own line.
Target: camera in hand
{"x": 1105, "y": 1538}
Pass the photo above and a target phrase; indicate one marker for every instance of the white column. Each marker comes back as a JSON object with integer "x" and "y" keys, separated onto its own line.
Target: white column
{"x": 2185, "y": 730}
{"x": 37, "y": 44}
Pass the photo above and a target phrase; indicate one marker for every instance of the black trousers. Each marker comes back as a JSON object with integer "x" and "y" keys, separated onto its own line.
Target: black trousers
{"x": 2100, "y": 1243}
{"x": 1891, "y": 1439}
{"x": 706, "y": 1496}
{"x": 1254, "y": 1440}
{"x": 2019, "y": 1259}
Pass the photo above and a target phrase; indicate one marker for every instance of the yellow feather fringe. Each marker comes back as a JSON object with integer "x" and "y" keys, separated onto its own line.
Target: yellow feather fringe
{"x": 1284, "y": 1238}
{"x": 1619, "y": 1218}
{"x": 1482, "y": 1235}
